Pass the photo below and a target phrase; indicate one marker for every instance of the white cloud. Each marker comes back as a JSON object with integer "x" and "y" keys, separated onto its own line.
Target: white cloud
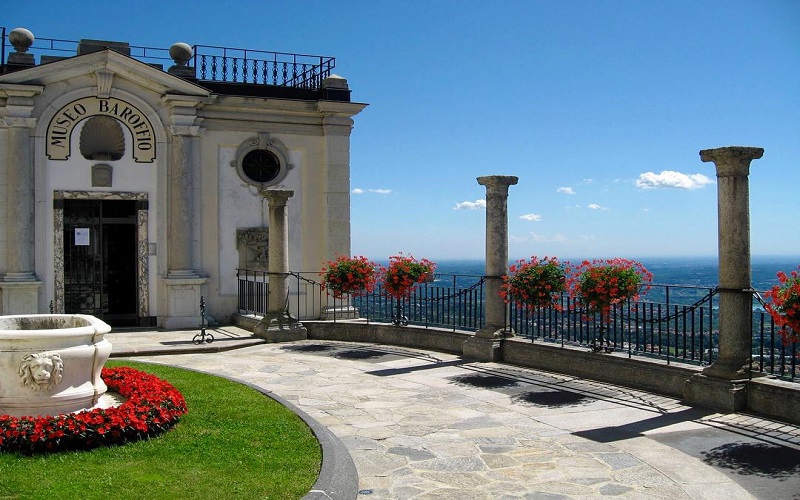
{"x": 555, "y": 238}
{"x": 531, "y": 217}
{"x": 376, "y": 191}
{"x": 470, "y": 205}
{"x": 595, "y": 206}
{"x": 565, "y": 190}
{"x": 587, "y": 181}
{"x": 672, "y": 179}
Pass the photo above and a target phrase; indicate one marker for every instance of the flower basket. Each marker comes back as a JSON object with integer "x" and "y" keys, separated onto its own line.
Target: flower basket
{"x": 348, "y": 276}
{"x": 535, "y": 283}
{"x": 600, "y": 284}
{"x": 403, "y": 272}
{"x": 784, "y": 306}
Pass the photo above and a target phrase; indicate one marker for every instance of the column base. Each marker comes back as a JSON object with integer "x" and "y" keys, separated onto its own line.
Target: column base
{"x": 730, "y": 370}
{"x": 714, "y": 393}
{"x": 183, "y": 302}
{"x": 483, "y": 349}
{"x": 279, "y": 326}
{"x": 19, "y": 297}
{"x": 495, "y": 332}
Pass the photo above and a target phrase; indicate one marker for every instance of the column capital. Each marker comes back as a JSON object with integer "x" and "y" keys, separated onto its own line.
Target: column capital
{"x": 498, "y": 183}
{"x": 732, "y": 160}
{"x": 10, "y": 90}
{"x": 18, "y": 122}
{"x": 277, "y": 197}
{"x": 186, "y": 130}
{"x": 183, "y": 109}
{"x": 19, "y": 101}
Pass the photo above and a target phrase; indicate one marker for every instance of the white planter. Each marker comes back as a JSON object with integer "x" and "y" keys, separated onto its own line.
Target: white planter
{"x": 50, "y": 363}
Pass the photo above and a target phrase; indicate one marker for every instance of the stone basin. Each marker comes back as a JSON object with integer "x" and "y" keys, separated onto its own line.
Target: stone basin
{"x": 50, "y": 363}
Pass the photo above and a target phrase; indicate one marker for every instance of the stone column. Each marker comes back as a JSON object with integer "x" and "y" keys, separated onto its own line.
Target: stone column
{"x": 278, "y": 319}
{"x": 722, "y": 384}
{"x": 19, "y": 286}
{"x": 485, "y": 345}
{"x": 183, "y": 283}
{"x": 735, "y": 280}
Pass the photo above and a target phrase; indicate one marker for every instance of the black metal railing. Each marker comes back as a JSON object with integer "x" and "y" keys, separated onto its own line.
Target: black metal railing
{"x": 222, "y": 64}
{"x": 674, "y": 323}
{"x": 450, "y": 301}
{"x": 211, "y": 63}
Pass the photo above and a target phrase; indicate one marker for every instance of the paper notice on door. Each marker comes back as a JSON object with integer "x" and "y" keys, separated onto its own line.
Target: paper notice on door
{"x": 82, "y": 236}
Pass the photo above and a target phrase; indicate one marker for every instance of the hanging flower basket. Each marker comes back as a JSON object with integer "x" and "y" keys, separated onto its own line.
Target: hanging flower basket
{"x": 535, "y": 283}
{"x": 349, "y": 276}
{"x": 403, "y": 272}
{"x": 600, "y": 284}
{"x": 784, "y": 306}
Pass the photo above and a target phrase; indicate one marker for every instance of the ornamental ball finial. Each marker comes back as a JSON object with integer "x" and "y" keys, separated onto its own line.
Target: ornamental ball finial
{"x": 181, "y": 53}
{"x": 21, "y": 39}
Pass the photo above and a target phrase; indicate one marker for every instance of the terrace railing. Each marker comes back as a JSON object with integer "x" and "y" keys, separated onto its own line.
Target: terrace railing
{"x": 211, "y": 63}
{"x": 675, "y": 323}
{"x": 222, "y": 64}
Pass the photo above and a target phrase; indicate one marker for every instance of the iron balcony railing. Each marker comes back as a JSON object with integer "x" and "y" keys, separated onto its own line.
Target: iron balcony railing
{"x": 674, "y": 323}
{"x": 211, "y": 63}
{"x": 222, "y": 64}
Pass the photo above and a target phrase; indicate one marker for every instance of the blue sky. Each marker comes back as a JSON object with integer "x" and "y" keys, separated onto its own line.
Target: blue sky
{"x": 599, "y": 107}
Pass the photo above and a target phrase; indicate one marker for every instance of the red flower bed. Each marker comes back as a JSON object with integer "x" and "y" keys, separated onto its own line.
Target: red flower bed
{"x": 152, "y": 407}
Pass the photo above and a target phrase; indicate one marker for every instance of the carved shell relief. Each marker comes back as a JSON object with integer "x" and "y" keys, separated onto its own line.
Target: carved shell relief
{"x": 102, "y": 139}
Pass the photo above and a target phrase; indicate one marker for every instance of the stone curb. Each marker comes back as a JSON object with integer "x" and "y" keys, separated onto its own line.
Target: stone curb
{"x": 188, "y": 349}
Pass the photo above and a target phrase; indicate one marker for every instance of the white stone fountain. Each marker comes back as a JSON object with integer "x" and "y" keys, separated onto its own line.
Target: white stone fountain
{"x": 50, "y": 363}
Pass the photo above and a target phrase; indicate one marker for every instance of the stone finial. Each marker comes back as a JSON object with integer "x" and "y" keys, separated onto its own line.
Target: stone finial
{"x": 21, "y": 39}
{"x": 732, "y": 160}
{"x": 181, "y": 53}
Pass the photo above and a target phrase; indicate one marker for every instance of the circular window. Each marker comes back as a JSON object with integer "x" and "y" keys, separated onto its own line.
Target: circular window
{"x": 261, "y": 166}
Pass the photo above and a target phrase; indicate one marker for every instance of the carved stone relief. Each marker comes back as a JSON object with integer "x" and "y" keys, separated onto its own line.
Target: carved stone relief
{"x": 41, "y": 370}
{"x": 253, "y": 246}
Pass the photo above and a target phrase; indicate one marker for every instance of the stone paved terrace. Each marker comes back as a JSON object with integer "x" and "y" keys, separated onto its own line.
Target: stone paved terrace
{"x": 427, "y": 425}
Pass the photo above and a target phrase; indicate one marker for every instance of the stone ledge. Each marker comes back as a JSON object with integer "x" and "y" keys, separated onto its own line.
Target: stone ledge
{"x": 768, "y": 397}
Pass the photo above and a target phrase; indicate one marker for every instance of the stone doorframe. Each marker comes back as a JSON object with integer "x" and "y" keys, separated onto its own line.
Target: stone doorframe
{"x": 142, "y": 267}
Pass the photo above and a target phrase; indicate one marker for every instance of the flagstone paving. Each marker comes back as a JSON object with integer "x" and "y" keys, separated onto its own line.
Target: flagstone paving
{"x": 427, "y": 425}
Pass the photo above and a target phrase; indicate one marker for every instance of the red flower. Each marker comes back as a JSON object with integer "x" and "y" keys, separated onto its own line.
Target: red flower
{"x": 535, "y": 283}
{"x": 348, "y": 276}
{"x": 600, "y": 284}
{"x": 86, "y": 429}
{"x": 784, "y": 306}
{"x": 403, "y": 272}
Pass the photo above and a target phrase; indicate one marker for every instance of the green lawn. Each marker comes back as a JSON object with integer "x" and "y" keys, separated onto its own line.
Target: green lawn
{"x": 233, "y": 442}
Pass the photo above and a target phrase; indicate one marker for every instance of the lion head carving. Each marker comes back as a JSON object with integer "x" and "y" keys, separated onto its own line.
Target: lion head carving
{"x": 41, "y": 370}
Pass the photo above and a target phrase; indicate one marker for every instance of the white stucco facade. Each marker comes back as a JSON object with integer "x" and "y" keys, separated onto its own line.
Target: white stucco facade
{"x": 180, "y": 173}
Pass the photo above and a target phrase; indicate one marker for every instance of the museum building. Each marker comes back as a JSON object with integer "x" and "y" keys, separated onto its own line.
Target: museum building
{"x": 134, "y": 180}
